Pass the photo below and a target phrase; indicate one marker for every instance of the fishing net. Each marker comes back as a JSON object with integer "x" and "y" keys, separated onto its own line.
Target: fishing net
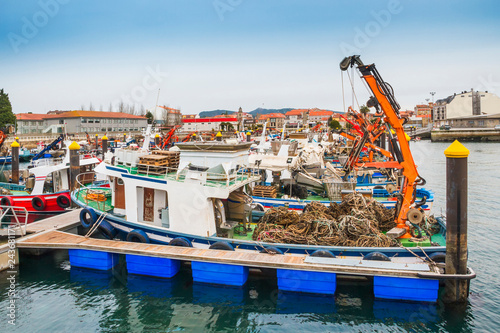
{"x": 357, "y": 221}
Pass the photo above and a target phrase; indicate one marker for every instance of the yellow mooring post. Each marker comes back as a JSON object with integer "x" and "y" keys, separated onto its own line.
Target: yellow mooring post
{"x": 219, "y": 136}
{"x": 104, "y": 145}
{"x": 456, "y": 291}
{"x": 157, "y": 140}
{"x": 74, "y": 164}
{"x": 15, "y": 162}
{"x": 249, "y": 136}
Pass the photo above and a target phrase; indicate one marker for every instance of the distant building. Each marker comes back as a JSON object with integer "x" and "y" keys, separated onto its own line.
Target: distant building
{"x": 316, "y": 115}
{"x": 294, "y": 118}
{"x": 30, "y": 123}
{"x": 424, "y": 112}
{"x": 465, "y": 104}
{"x": 167, "y": 117}
{"x": 79, "y": 122}
{"x": 481, "y": 121}
{"x": 207, "y": 124}
{"x": 275, "y": 120}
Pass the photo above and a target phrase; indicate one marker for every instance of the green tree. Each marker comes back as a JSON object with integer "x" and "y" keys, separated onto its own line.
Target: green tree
{"x": 334, "y": 124}
{"x": 364, "y": 109}
{"x": 6, "y": 115}
{"x": 150, "y": 117}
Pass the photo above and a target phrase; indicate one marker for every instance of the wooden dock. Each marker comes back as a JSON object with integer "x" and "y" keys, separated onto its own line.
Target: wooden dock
{"x": 63, "y": 222}
{"x": 60, "y": 240}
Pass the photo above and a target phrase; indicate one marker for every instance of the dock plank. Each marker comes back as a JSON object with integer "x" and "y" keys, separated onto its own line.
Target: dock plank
{"x": 62, "y": 240}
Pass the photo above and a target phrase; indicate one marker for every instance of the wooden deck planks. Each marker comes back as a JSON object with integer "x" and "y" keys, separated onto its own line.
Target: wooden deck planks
{"x": 61, "y": 221}
{"x": 58, "y": 239}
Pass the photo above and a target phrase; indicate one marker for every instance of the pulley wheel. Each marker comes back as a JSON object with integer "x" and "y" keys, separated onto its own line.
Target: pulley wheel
{"x": 415, "y": 216}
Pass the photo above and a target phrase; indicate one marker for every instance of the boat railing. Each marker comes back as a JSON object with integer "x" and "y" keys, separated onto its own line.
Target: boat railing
{"x": 219, "y": 179}
{"x": 90, "y": 192}
{"x": 47, "y": 161}
{"x": 11, "y": 220}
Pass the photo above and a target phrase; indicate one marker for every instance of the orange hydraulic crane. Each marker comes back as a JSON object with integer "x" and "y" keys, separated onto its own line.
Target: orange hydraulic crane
{"x": 169, "y": 137}
{"x": 384, "y": 102}
{"x": 188, "y": 137}
{"x": 316, "y": 127}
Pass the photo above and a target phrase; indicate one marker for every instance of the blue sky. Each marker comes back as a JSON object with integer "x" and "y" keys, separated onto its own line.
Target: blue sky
{"x": 204, "y": 55}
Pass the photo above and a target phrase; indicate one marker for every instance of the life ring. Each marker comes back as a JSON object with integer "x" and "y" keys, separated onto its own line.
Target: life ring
{"x": 137, "y": 236}
{"x": 88, "y": 217}
{"x": 377, "y": 256}
{"x": 6, "y": 201}
{"x": 180, "y": 241}
{"x": 38, "y": 203}
{"x": 63, "y": 201}
{"x": 107, "y": 230}
{"x": 322, "y": 253}
{"x": 221, "y": 246}
{"x": 271, "y": 250}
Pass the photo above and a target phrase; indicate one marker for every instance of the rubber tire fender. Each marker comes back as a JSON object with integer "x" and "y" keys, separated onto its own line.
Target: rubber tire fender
{"x": 107, "y": 230}
{"x": 221, "y": 246}
{"x": 63, "y": 201}
{"x": 376, "y": 256}
{"x": 438, "y": 256}
{"x": 180, "y": 241}
{"x": 38, "y": 203}
{"x": 87, "y": 221}
{"x": 6, "y": 201}
{"x": 322, "y": 253}
{"x": 137, "y": 236}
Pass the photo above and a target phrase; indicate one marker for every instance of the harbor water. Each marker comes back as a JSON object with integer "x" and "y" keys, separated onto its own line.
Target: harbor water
{"x": 53, "y": 297}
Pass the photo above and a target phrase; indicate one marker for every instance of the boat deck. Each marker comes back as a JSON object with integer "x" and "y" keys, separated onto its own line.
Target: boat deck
{"x": 61, "y": 240}
{"x": 173, "y": 176}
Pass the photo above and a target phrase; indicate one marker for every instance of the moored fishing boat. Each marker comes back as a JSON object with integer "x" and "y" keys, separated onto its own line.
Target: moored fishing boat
{"x": 46, "y": 190}
{"x": 186, "y": 203}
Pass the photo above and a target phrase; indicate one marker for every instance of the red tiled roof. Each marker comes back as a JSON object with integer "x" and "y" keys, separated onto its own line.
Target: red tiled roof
{"x": 209, "y": 120}
{"x": 30, "y": 116}
{"x": 170, "y": 110}
{"x": 272, "y": 115}
{"x": 295, "y": 112}
{"x": 78, "y": 114}
{"x": 313, "y": 113}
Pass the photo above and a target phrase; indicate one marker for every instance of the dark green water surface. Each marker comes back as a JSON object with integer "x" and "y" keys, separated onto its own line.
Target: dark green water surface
{"x": 52, "y": 297}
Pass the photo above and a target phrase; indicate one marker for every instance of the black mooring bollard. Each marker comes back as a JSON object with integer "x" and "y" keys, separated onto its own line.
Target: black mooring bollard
{"x": 104, "y": 146}
{"x": 157, "y": 140}
{"x": 456, "y": 222}
{"x": 97, "y": 142}
{"x": 249, "y": 136}
{"x": 74, "y": 164}
{"x": 218, "y": 136}
{"x": 15, "y": 162}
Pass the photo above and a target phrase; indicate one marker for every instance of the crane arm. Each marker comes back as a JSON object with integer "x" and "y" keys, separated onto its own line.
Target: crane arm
{"x": 386, "y": 101}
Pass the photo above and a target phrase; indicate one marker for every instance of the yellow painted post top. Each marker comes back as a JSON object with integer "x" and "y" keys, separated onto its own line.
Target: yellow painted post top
{"x": 17, "y": 138}
{"x": 456, "y": 150}
{"x": 219, "y": 134}
{"x": 74, "y": 146}
{"x": 157, "y": 135}
{"x": 407, "y": 137}
{"x": 97, "y": 135}
{"x": 194, "y": 134}
{"x": 248, "y": 133}
{"x": 104, "y": 137}
{"x": 15, "y": 144}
